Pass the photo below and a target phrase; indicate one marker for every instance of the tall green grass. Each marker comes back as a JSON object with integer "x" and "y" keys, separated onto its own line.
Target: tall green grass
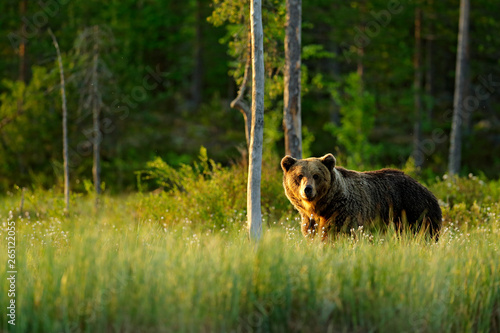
{"x": 109, "y": 273}
{"x": 179, "y": 260}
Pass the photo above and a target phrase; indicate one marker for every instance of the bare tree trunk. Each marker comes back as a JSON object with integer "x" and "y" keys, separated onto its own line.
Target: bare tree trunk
{"x": 417, "y": 90}
{"x": 21, "y": 204}
{"x": 429, "y": 17}
{"x": 292, "y": 121}
{"x": 23, "y": 4}
{"x": 64, "y": 121}
{"x": 196, "y": 84}
{"x": 95, "y": 75}
{"x": 461, "y": 64}
{"x": 429, "y": 75}
{"x": 257, "y": 133}
{"x": 96, "y": 110}
{"x": 467, "y": 114}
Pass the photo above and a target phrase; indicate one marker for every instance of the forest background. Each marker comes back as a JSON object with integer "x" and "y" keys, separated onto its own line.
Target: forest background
{"x": 149, "y": 86}
{"x": 168, "y": 71}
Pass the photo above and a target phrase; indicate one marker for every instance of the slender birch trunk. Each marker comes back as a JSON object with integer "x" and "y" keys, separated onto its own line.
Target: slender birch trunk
{"x": 257, "y": 131}
{"x": 96, "y": 110}
{"x": 64, "y": 121}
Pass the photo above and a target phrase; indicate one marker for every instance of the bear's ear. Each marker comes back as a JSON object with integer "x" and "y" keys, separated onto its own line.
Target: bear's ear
{"x": 329, "y": 161}
{"x": 287, "y": 162}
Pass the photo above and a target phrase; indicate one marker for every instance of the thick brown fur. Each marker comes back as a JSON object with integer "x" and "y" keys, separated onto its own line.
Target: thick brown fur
{"x": 330, "y": 197}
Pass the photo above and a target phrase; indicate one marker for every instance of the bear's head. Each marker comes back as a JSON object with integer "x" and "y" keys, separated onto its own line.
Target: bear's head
{"x": 308, "y": 179}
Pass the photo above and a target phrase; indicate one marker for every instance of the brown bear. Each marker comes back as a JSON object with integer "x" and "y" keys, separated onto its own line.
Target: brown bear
{"x": 331, "y": 197}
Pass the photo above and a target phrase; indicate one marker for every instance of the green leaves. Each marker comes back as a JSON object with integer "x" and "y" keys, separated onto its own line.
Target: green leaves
{"x": 357, "y": 109}
{"x": 315, "y": 51}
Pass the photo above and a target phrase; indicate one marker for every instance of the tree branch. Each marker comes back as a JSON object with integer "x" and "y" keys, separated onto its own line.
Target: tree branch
{"x": 239, "y": 102}
{"x": 7, "y": 120}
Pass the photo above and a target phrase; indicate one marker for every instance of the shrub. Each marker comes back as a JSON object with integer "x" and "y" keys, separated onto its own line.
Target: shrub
{"x": 468, "y": 190}
{"x": 207, "y": 194}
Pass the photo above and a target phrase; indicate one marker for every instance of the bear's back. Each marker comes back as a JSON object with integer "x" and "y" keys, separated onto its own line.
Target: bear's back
{"x": 392, "y": 190}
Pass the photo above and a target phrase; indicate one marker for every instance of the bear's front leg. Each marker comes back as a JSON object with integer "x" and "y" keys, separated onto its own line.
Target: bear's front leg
{"x": 324, "y": 228}
{"x": 308, "y": 226}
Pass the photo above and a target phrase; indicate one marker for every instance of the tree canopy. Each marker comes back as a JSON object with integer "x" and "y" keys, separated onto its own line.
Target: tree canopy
{"x": 174, "y": 67}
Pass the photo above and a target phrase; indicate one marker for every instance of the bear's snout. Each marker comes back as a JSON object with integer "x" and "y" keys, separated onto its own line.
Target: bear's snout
{"x": 308, "y": 192}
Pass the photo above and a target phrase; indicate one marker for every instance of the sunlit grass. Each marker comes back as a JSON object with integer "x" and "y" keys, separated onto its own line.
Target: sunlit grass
{"x": 116, "y": 271}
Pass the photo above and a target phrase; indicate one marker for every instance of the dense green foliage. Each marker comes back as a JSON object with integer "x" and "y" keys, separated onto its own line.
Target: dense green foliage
{"x": 175, "y": 66}
{"x": 207, "y": 194}
{"x": 180, "y": 261}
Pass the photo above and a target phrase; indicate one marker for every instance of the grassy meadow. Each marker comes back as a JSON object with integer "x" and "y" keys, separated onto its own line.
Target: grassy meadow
{"x": 179, "y": 260}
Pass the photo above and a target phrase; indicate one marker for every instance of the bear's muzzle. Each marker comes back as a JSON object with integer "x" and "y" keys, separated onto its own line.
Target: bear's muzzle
{"x": 308, "y": 192}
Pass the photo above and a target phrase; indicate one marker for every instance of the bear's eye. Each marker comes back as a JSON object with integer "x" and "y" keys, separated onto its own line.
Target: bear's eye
{"x": 316, "y": 177}
{"x": 299, "y": 177}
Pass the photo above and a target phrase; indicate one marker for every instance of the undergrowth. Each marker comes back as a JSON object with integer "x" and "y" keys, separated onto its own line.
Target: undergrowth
{"x": 206, "y": 194}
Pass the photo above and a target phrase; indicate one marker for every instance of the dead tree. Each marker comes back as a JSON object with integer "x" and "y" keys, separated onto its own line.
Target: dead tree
{"x": 64, "y": 121}
{"x": 96, "y": 112}
{"x": 94, "y": 76}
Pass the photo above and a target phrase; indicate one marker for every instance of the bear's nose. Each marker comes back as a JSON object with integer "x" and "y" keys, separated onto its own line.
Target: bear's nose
{"x": 308, "y": 190}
